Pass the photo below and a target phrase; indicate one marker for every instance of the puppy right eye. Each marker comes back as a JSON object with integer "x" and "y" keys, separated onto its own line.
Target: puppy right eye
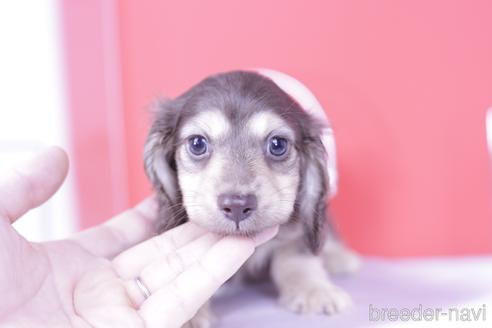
{"x": 197, "y": 145}
{"x": 277, "y": 147}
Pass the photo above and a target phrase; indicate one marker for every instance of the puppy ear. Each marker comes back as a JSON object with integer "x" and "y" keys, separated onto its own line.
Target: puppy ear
{"x": 313, "y": 192}
{"x": 160, "y": 164}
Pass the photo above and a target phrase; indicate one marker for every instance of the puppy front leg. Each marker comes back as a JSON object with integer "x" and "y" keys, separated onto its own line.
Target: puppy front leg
{"x": 338, "y": 259}
{"x": 303, "y": 283}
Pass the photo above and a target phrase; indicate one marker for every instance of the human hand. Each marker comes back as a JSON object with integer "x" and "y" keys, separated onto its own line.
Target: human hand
{"x": 88, "y": 280}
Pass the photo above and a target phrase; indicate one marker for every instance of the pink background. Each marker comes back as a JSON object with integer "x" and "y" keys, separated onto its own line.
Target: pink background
{"x": 406, "y": 84}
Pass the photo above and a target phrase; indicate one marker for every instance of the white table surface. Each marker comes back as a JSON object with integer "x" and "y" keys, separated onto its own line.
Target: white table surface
{"x": 461, "y": 283}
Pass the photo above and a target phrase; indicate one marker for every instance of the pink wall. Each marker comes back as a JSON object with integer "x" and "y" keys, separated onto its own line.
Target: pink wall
{"x": 406, "y": 84}
{"x": 94, "y": 99}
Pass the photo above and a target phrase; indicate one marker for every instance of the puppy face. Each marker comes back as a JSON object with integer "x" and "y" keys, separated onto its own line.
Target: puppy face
{"x": 237, "y": 175}
{"x": 235, "y": 154}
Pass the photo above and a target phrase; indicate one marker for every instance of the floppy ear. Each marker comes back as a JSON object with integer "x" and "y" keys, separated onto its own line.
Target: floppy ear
{"x": 160, "y": 165}
{"x": 313, "y": 192}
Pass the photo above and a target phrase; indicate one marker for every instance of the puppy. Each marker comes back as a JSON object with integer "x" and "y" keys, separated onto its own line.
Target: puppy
{"x": 238, "y": 153}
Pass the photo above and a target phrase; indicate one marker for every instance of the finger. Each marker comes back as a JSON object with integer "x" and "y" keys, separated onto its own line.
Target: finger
{"x": 31, "y": 183}
{"x": 121, "y": 232}
{"x": 131, "y": 262}
{"x": 164, "y": 270}
{"x": 265, "y": 235}
{"x": 176, "y": 303}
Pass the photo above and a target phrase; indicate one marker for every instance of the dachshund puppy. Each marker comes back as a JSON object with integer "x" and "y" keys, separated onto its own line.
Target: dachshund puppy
{"x": 238, "y": 153}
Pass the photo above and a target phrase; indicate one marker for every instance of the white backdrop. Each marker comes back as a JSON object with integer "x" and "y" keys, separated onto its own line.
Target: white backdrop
{"x": 32, "y": 103}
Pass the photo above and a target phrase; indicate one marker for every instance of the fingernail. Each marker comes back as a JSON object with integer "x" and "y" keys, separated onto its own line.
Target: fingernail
{"x": 265, "y": 235}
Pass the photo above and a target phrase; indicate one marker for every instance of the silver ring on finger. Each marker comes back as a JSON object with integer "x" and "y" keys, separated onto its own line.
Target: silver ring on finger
{"x": 141, "y": 286}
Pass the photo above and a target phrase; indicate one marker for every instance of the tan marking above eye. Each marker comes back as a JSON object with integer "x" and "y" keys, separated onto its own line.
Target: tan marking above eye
{"x": 263, "y": 123}
{"x": 212, "y": 123}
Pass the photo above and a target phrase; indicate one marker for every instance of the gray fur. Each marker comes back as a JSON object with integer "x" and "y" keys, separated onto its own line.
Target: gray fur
{"x": 238, "y": 94}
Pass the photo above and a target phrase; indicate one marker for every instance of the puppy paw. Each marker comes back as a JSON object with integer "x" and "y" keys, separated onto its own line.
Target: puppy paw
{"x": 315, "y": 299}
{"x": 202, "y": 319}
{"x": 341, "y": 261}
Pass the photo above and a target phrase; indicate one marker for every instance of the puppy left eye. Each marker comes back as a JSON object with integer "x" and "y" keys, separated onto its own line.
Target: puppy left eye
{"x": 277, "y": 146}
{"x": 197, "y": 145}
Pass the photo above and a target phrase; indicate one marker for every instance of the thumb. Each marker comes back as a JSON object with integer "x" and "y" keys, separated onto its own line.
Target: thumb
{"x": 32, "y": 182}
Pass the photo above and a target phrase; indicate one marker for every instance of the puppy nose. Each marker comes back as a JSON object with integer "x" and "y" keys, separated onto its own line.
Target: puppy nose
{"x": 237, "y": 207}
